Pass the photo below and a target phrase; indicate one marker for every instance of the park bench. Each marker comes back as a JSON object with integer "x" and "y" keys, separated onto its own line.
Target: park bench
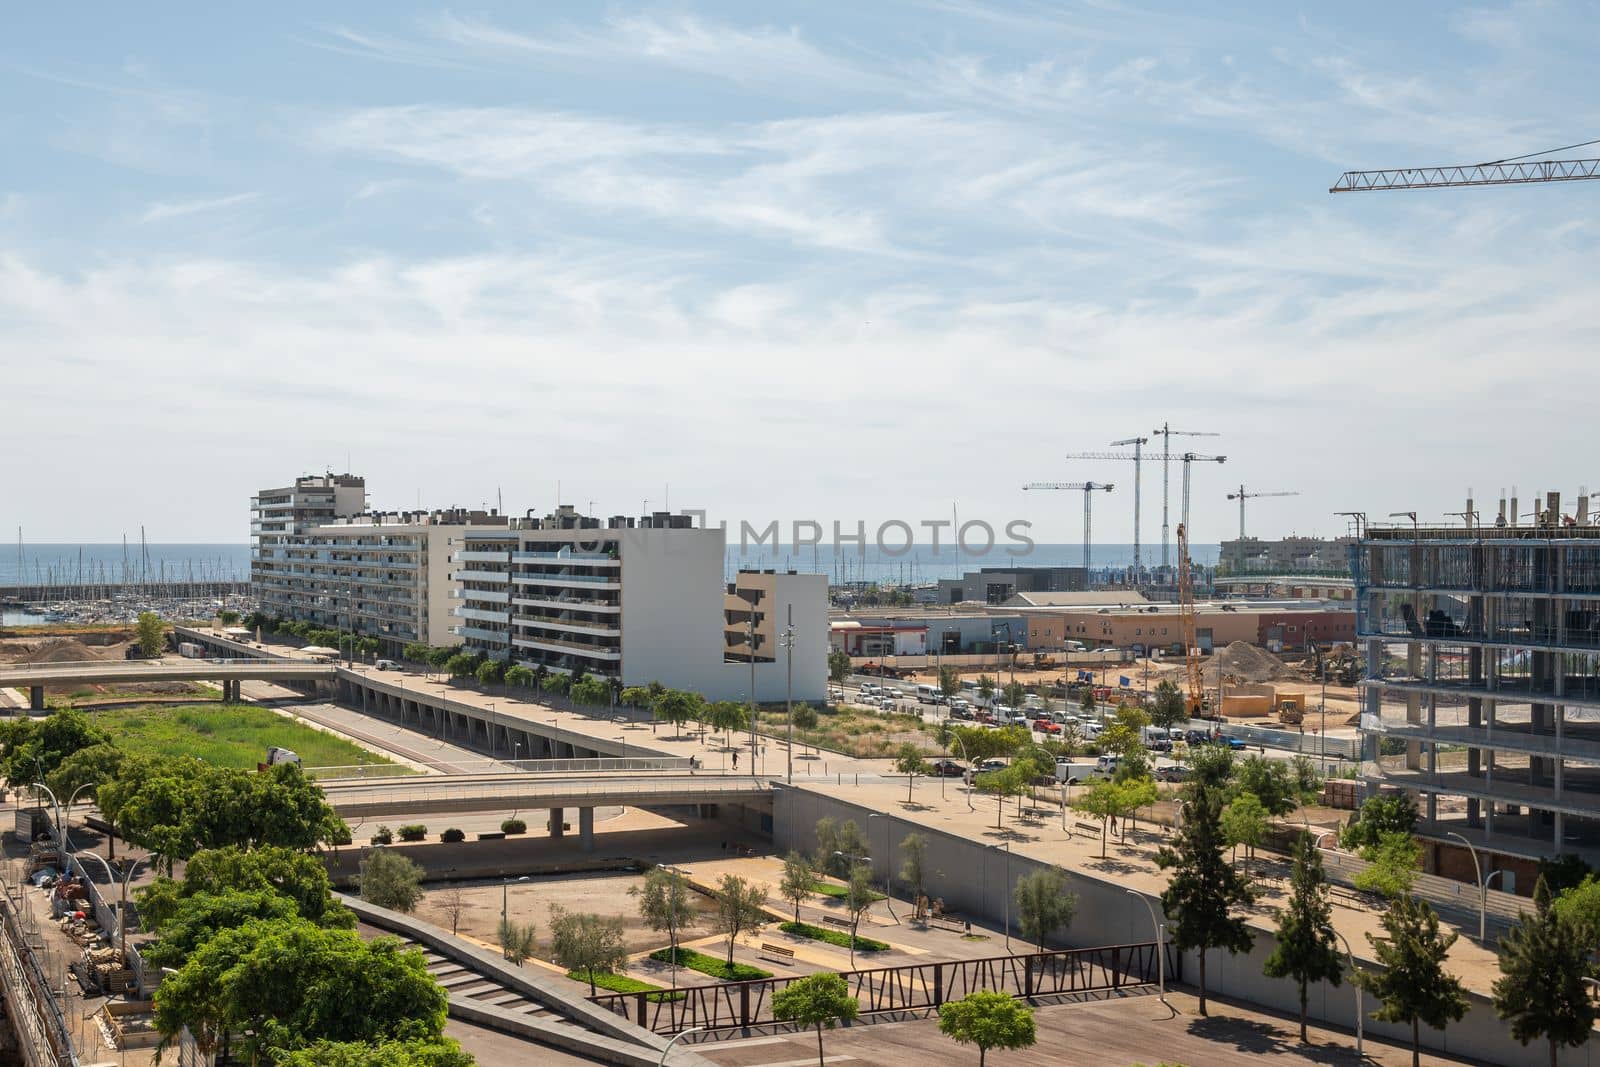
{"x": 1354, "y": 898}
{"x": 948, "y": 922}
{"x": 777, "y": 953}
{"x": 833, "y": 920}
{"x": 1092, "y": 829}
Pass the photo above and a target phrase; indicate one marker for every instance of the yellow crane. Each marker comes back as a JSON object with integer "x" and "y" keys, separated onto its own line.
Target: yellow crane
{"x": 1191, "y": 641}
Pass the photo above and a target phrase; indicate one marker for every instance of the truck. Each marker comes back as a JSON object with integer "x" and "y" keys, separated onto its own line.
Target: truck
{"x": 1074, "y": 772}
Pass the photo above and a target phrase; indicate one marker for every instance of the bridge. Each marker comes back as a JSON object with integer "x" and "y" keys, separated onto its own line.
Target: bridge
{"x": 35, "y": 676}
{"x": 375, "y": 798}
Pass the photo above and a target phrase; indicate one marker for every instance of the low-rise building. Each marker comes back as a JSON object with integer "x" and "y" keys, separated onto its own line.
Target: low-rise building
{"x": 996, "y": 585}
{"x": 1278, "y": 626}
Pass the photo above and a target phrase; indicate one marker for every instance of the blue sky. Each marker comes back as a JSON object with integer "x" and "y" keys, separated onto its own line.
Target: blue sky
{"x": 795, "y": 260}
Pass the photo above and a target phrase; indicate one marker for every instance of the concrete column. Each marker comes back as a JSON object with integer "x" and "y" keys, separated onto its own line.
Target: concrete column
{"x": 556, "y": 819}
{"x": 586, "y": 829}
{"x": 36, "y": 697}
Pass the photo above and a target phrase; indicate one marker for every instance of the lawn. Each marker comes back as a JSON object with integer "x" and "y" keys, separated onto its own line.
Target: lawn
{"x": 833, "y": 937}
{"x": 856, "y": 732}
{"x": 838, "y": 892}
{"x": 715, "y": 966}
{"x": 235, "y": 736}
{"x": 621, "y": 983}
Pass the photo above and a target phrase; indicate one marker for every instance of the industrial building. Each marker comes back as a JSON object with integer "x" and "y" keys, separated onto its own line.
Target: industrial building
{"x": 996, "y": 585}
{"x": 639, "y": 602}
{"x": 1482, "y": 697}
{"x": 1280, "y": 625}
{"x": 1306, "y": 556}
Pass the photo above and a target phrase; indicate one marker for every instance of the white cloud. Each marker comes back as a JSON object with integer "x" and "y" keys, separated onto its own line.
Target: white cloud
{"x": 173, "y": 209}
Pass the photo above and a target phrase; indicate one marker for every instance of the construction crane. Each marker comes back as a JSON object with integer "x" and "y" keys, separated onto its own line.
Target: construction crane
{"x": 1189, "y": 459}
{"x": 1167, "y": 433}
{"x": 1136, "y": 457}
{"x": 1089, "y": 489}
{"x": 1241, "y": 496}
{"x": 1191, "y": 640}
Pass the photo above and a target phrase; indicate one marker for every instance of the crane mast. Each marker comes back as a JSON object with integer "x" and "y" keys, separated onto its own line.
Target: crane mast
{"x": 1191, "y": 640}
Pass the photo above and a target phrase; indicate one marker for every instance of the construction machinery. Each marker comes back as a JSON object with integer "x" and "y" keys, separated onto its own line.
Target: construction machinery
{"x": 1089, "y": 489}
{"x": 1241, "y": 496}
{"x": 1167, "y": 433}
{"x": 1137, "y": 458}
{"x": 1191, "y": 640}
{"x": 1189, "y": 459}
{"x": 1517, "y": 170}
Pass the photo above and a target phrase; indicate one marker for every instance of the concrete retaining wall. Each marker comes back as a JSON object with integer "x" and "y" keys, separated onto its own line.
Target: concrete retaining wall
{"x": 974, "y": 878}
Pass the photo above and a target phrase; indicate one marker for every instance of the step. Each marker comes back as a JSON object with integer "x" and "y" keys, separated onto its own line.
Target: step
{"x": 457, "y": 981}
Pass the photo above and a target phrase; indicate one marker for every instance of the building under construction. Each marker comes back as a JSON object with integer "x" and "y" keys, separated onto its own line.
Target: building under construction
{"x": 1482, "y": 697}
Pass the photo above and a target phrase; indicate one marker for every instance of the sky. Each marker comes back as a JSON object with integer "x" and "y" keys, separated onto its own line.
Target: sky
{"x": 786, "y": 261}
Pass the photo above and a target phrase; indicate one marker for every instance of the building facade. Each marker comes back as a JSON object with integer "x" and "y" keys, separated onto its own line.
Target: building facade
{"x": 1308, "y": 556}
{"x": 280, "y": 516}
{"x": 1289, "y": 626}
{"x": 638, "y": 601}
{"x": 996, "y": 585}
{"x": 1482, "y": 698}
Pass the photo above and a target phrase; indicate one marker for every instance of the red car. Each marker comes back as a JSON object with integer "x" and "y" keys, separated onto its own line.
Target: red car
{"x": 1046, "y": 726}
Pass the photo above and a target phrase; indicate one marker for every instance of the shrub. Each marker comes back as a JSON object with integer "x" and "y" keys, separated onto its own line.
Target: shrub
{"x": 453, "y": 835}
{"x": 384, "y": 836}
{"x": 712, "y": 965}
{"x": 840, "y": 938}
{"x": 514, "y": 826}
{"x": 621, "y": 983}
{"x": 413, "y": 832}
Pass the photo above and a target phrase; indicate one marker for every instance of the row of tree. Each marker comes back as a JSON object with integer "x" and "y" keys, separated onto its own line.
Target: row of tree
{"x": 312, "y": 633}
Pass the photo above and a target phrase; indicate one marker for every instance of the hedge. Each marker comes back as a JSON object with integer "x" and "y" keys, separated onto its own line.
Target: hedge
{"x": 413, "y": 832}
{"x": 621, "y": 983}
{"x": 838, "y": 892}
{"x": 832, "y": 937}
{"x": 715, "y": 966}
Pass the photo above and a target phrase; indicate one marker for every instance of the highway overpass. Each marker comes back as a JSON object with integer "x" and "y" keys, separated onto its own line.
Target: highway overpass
{"x": 35, "y": 676}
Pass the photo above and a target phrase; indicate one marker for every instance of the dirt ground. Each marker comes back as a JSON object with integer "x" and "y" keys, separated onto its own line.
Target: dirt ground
{"x": 529, "y": 901}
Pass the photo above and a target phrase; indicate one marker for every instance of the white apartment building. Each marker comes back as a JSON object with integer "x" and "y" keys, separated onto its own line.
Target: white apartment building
{"x": 638, "y": 601}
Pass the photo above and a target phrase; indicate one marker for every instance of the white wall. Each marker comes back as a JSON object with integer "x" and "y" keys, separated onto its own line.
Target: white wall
{"x": 673, "y": 624}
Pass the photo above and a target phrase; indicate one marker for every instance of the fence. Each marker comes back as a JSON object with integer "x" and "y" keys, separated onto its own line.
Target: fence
{"x": 735, "y": 1005}
{"x": 1445, "y": 894}
{"x": 36, "y": 1017}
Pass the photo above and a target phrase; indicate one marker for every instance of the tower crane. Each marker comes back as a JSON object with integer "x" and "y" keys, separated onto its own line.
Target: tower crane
{"x": 1089, "y": 489}
{"x": 1241, "y": 496}
{"x": 1136, "y": 457}
{"x": 1167, "y": 433}
{"x": 1517, "y": 170}
{"x": 1189, "y": 459}
{"x": 1191, "y": 640}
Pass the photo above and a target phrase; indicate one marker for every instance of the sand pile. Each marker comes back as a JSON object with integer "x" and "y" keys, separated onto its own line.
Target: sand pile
{"x": 1246, "y": 663}
{"x": 61, "y": 650}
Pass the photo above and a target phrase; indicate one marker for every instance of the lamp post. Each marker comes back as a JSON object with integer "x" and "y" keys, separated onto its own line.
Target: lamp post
{"x": 1161, "y": 940}
{"x": 888, "y": 860}
{"x": 971, "y": 770}
{"x": 855, "y": 920}
{"x": 679, "y": 1036}
{"x": 61, "y": 823}
{"x": 1483, "y": 886}
{"x": 1361, "y": 1010}
{"x": 788, "y": 697}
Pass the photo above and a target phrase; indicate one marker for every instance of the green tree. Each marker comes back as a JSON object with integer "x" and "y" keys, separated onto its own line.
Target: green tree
{"x": 298, "y": 877}
{"x": 1393, "y": 864}
{"x": 805, "y": 717}
{"x": 1210, "y": 768}
{"x": 666, "y": 904}
{"x": 1014, "y": 693}
{"x": 390, "y": 880}
{"x": 914, "y": 863}
{"x": 818, "y": 1000}
{"x": 227, "y": 618}
{"x": 519, "y": 676}
{"x": 1307, "y": 950}
{"x": 461, "y": 665}
{"x": 86, "y": 768}
{"x": 559, "y": 684}
{"x": 198, "y": 918}
{"x": 838, "y": 666}
{"x": 439, "y": 658}
{"x": 1010, "y": 782}
{"x": 676, "y": 706}
{"x": 985, "y": 688}
{"x": 582, "y": 941}
{"x": 636, "y": 696}
{"x": 1543, "y": 963}
{"x": 150, "y": 634}
{"x": 490, "y": 672}
{"x": 798, "y": 878}
{"x": 1244, "y": 822}
{"x": 1103, "y": 800}
{"x": 989, "y": 1020}
{"x": 592, "y": 692}
{"x": 741, "y": 906}
{"x": 1088, "y": 706}
{"x": 1167, "y": 709}
{"x": 949, "y": 681}
{"x": 368, "y": 646}
{"x": 415, "y": 652}
{"x": 1580, "y": 906}
{"x": 1204, "y": 890}
{"x": 1413, "y": 986}
{"x": 34, "y": 749}
{"x": 518, "y": 941}
{"x": 858, "y": 897}
{"x": 286, "y": 984}
{"x": 839, "y": 844}
{"x": 1381, "y": 814}
{"x": 908, "y": 761}
{"x": 1044, "y": 904}
{"x": 429, "y": 1052}
{"x": 1270, "y": 782}
{"x": 1307, "y": 782}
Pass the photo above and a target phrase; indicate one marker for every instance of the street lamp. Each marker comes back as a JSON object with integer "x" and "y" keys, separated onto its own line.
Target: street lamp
{"x": 1361, "y": 1009}
{"x": 888, "y": 860}
{"x": 855, "y": 921}
{"x": 61, "y": 825}
{"x": 679, "y": 1036}
{"x": 1161, "y": 938}
{"x": 788, "y": 696}
{"x": 1483, "y": 886}
{"x": 971, "y": 769}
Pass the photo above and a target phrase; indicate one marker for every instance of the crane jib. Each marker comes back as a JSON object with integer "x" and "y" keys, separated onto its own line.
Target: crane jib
{"x": 1531, "y": 171}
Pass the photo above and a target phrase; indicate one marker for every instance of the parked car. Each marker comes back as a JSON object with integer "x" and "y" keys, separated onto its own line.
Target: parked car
{"x": 1196, "y": 737}
{"x": 1177, "y": 772}
{"x": 1045, "y": 726}
{"x": 963, "y": 713}
{"x": 1234, "y": 743}
{"x": 946, "y": 768}
{"x": 387, "y": 665}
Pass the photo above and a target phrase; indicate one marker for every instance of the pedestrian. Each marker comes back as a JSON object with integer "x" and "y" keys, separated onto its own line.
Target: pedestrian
{"x": 736, "y": 761}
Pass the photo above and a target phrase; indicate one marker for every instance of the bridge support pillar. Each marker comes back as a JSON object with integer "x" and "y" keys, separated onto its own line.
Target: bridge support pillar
{"x": 586, "y": 829}
{"x": 36, "y": 697}
{"x": 557, "y": 822}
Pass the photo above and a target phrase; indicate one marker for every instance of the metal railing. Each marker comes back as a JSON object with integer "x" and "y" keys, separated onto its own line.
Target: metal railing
{"x": 733, "y": 1005}
{"x": 1446, "y": 894}
{"x": 40, "y": 1026}
{"x": 632, "y": 764}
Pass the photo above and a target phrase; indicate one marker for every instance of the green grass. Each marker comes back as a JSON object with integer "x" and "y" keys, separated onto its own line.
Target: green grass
{"x": 621, "y": 983}
{"x": 837, "y": 892}
{"x": 236, "y": 736}
{"x": 715, "y": 966}
{"x": 833, "y": 937}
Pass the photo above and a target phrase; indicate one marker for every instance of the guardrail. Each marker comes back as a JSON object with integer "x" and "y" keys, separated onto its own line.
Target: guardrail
{"x": 628, "y": 764}
{"x": 419, "y": 793}
{"x": 733, "y": 1005}
{"x": 40, "y": 1027}
{"x": 1444, "y": 893}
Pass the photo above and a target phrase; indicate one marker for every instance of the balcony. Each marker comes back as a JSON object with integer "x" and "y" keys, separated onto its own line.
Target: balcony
{"x": 551, "y": 644}
{"x": 497, "y": 577}
{"x": 492, "y": 637}
{"x": 582, "y": 581}
{"x": 485, "y": 596}
{"x": 475, "y": 556}
{"x": 599, "y": 629}
{"x": 587, "y": 559}
{"x": 481, "y": 615}
{"x": 568, "y": 603}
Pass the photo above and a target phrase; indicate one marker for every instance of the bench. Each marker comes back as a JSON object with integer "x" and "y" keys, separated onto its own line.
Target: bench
{"x": 777, "y": 953}
{"x": 1090, "y": 828}
{"x": 947, "y": 922}
{"x": 1354, "y": 898}
{"x": 833, "y": 920}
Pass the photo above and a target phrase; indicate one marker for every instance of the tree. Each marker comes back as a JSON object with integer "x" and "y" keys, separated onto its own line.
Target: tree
{"x": 798, "y": 878}
{"x": 1210, "y": 767}
{"x": 1543, "y": 962}
{"x": 989, "y": 1020}
{"x": 1168, "y": 710}
{"x": 1580, "y": 906}
{"x": 914, "y": 863}
{"x": 227, "y": 618}
{"x": 838, "y": 666}
{"x": 1270, "y": 782}
{"x": 805, "y": 717}
{"x": 908, "y": 761}
{"x": 1307, "y": 782}
{"x": 428, "y": 1052}
{"x": 87, "y": 767}
{"x": 1103, "y": 800}
{"x": 300, "y": 878}
{"x": 1204, "y": 889}
{"x": 559, "y": 684}
{"x": 36, "y": 748}
{"x": 949, "y": 681}
{"x": 592, "y": 692}
{"x": 390, "y": 880}
{"x": 838, "y": 846}
{"x": 1307, "y": 949}
{"x": 1381, "y": 814}
{"x": 198, "y": 918}
{"x": 985, "y": 688}
{"x": 1014, "y": 694}
{"x": 1392, "y": 868}
{"x": 1011, "y": 782}
{"x": 858, "y": 897}
{"x": 741, "y": 906}
{"x": 1044, "y": 904}
{"x": 583, "y": 941}
{"x": 415, "y": 652}
{"x": 676, "y": 706}
{"x": 1413, "y": 985}
{"x": 285, "y": 984}
{"x": 439, "y": 658}
{"x": 1244, "y": 822}
{"x": 818, "y": 1000}
{"x": 453, "y": 902}
{"x": 490, "y": 672}
{"x": 666, "y": 904}
{"x": 461, "y": 665}
{"x": 368, "y": 646}
{"x": 1087, "y": 705}
{"x": 520, "y": 676}
{"x": 518, "y": 941}
{"x": 635, "y": 696}
{"x": 150, "y": 634}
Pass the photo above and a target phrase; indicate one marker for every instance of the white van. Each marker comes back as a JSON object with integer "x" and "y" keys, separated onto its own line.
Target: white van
{"x": 927, "y": 694}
